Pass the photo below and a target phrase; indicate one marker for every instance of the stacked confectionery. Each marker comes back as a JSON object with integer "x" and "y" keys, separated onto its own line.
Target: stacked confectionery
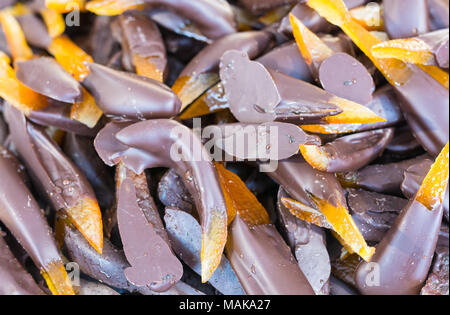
{"x": 191, "y": 147}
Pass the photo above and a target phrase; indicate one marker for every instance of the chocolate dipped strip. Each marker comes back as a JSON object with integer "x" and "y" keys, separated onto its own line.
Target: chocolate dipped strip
{"x": 130, "y": 96}
{"x": 173, "y": 193}
{"x": 404, "y": 256}
{"x": 82, "y": 152}
{"x": 101, "y": 41}
{"x": 57, "y": 115}
{"x": 309, "y": 245}
{"x": 272, "y": 96}
{"x": 344, "y": 76}
{"x": 142, "y": 46}
{"x": 150, "y": 144}
{"x": 185, "y": 235}
{"x": 263, "y": 262}
{"x": 274, "y": 141}
{"x": 381, "y": 178}
{"x": 14, "y": 279}
{"x": 256, "y": 6}
{"x": 94, "y": 288}
{"x": 44, "y": 75}
{"x": 34, "y": 30}
{"x": 59, "y": 180}
{"x": 348, "y": 153}
{"x": 3, "y": 130}
{"x": 414, "y": 176}
{"x": 404, "y": 19}
{"x": 152, "y": 262}
{"x": 21, "y": 214}
{"x": 374, "y": 213}
{"x": 404, "y": 143}
{"x": 438, "y": 10}
{"x": 338, "y": 287}
{"x": 201, "y": 72}
{"x": 438, "y": 41}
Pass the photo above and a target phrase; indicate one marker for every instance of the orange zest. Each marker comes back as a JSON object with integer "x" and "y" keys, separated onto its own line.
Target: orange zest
{"x": 190, "y": 88}
{"x": 57, "y": 280}
{"x": 65, "y": 6}
{"x": 436, "y": 73}
{"x": 306, "y": 213}
{"x": 87, "y": 111}
{"x": 412, "y": 50}
{"x": 332, "y": 129}
{"x": 71, "y": 57}
{"x": 14, "y": 36}
{"x": 54, "y": 21}
{"x": 15, "y": 93}
{"x": 432, "y": 190}
{"x": 312, "y": 48}
{"x": 316, "y": 156}
{"x": 275, "y": 15}
{"x": 369, "y": 16}
{"x": 146, "y": 68}
{"x": 114, "y": 7}
{"x": 352, "y": 113}
{"x": 212, "y": 101}
{"x": 87, "y": 218}
{"x": 239, "y": 199}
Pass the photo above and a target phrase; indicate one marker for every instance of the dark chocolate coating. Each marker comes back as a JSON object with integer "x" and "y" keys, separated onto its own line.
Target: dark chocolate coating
{"x": 438, "y": 281}
{"x": 6, "y": 3}
{"x": 263, "y": 262}
{"x": 262, "y": 5}
{"x": 214, "y": 18}
{"x": 272, "y": 95}
{"x": 414, "y": 176}
{"x": 352, "y": 152}
{"x": 403, "y": 258}
{"x": 309, "y": 245}
{"x": 405, "y": 18}
{"x": 35, "y": 30}
{"x": 438, "y": 10}
{"x": 338, "y": 287}
{"x": 102, "y": 43}
{"x": 172, "y": 192}
{"x": 309, "y": 17}
{"x": 21, "y": 214}
{"x": 59, "y": 180}
{"x": 344, "y": 76}
{"x": 141, "y": 36}
{"x": 185, "y": 235}
{"x": 3, "y": 130}
{"x": 404, "y": 143}
{"x": 374, "y": 213}
{"x": 130, "y": 96}
{"x": 45, "y": 76}
{"x": 14, "y": 279}
{"x": 439, "y": 44}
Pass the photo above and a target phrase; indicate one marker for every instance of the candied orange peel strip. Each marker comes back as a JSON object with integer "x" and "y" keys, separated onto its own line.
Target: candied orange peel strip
{"x": 54, "y": 21}
{"x": 432, "y": 190}
{"x": 316, "y": 156}
{"x": 352, "y": 113}
{"x": 340, "y": 220}
{"x": 14, "y": 36}
{"x": 369, "y": 16}
{"x": 412, "y": 50}
{"x": 114, "y": 7}
{"x": 65, "y": 6}
{"x": 189, "y": 88}
{"x": 57, "y": 279}
{"x": 275, "y": 15}
{"x": 15, "y": 93}
{"x": 306, "y": 213}
{"x": 331, "y": 129}
{"x": 312, "y": 48}
{"x": 146, "y": 68}
{"x": 239, "y": 199}
{"x": 18, "y": 9}
{"x": 87, "y": 111}
{"x": 436, "y": 73}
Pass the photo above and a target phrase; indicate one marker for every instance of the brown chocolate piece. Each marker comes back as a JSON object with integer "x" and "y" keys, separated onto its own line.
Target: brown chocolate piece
{"x": 309, "y": 17}
{"x": 102, "y": 43}
{"x": 438, "y": 280}
{"x": 374, "y": 213}
{"x": 405, "y": 18}
{"x": 34, "y": 30}
{"x": 352, "y": 152}
{"x": 438, "y": 10}
{"x": 173, "y": 193}
{"x": 338, "y": 287}
{"x": 339, "y": 43}
{"x": 309, "y": 245}
{"x": 256, "y": 6}
{"x": 152, "y": 262}
{"x": 403, "y": 258}
{"x": 6, "y": 3}
{"x": 3, "y": 130}
{"x": 404, "y": 143}
{"x": 130, "y": 96}
{"x": 94, "y": 288}
{"x": 439, "y": 44}
{"x": 257, "y": 94}
{"x": 344, "y": 76}
{"x": 414, "y": 176}
{"x": 21, "y": 214}
{"x": 141, "y": 38}
{"x": 263, "y": 262}
{"x": 45, "y": 76}
{"x": 14, "y": 279}
{"x": 185, "y": 236}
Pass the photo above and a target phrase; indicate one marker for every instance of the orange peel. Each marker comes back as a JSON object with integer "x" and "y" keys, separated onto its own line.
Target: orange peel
{"x": 114, "y": 7}
{"x": 369, "y": 16}
{"x": 57, "y": 280}
{"x": 86, "y": 111}
{"x": 54, "y": 21}
{"x": 65, "y": 6}
{"x": 15, "y": 37}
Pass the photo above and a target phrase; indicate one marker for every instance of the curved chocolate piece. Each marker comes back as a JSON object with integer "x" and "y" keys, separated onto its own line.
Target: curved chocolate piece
{"x": 273, "y": 96}
{"x": 344, "y": 76}
{"x": 185, "y": 235}
{"x": 149, "y": 144}
{"x": 214, "y": 18}
{"x": 381, "y": 178}
{"x": 256, "y": 6}
{"x": 374, "y": 213}
{"x": 130, "y": 96}
{"x": 173, "y": 193}
{"x": 274, "y": 141}
{"x": 14, "y": 279}
{"x": 152, "y": 262}
{"x": 23, "y": 217}
{"x": 350, "y": 153}
{"x": 403, "y": 258}
{"x": 339, "y": 43}
{"x": 438, "y": 41}
{"x": 404, "y": 19}
{"x": 101, "y": 41}
{"x": 82, "y": 152}
{"x": 414, "y": 176}
{"x": 34, "y": 30}
{"x": 45, "y": 76}
{"x": 309, "y": 245}
{"x": 263, "y": 262}
{"x": 58, "y": 115}
{"x": 404, "y": 143}
{"x": 438, "y": 10}
{"x": 141, "y": 38}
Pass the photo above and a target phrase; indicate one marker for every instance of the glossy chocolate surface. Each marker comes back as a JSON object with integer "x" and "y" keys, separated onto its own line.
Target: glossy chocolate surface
{"x": 438, "y": 10}
{"x": 173, "y": 193}
{"x": 438, "y": 41}
{"x": 405, "y": 18}
{"x": 34, "y": 30}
